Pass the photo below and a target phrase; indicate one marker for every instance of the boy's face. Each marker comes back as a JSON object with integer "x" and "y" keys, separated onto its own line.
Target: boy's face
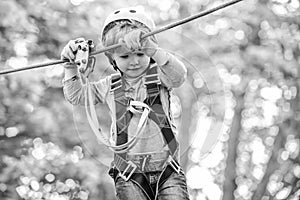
{"x": 131, "y": 63}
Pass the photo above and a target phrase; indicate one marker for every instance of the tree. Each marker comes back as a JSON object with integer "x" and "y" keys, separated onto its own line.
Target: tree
{"x": 253, "y": 47}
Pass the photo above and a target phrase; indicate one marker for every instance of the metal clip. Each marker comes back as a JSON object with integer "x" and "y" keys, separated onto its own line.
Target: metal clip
{"x": 133, "y": 168}
{"x": 173, "y": 163}
{"x": 83, "y": 60}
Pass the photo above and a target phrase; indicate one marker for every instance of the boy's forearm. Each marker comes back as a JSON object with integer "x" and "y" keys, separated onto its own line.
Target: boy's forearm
{"x": 173, "y": 70}
{"x": 73, "y": 90}
{"x": 70, "y": 73}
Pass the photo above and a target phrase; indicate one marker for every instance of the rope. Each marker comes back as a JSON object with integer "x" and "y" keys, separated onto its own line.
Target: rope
{"x": 95, "y": 126}
{"x": 164, "y": 28}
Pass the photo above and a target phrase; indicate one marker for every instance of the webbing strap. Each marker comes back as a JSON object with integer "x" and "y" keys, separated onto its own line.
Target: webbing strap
{"x": 94, "y": 123}
{"x": 123, "y": 116}
{"x": 157, "y": 114}
{"x": 134, "y": 174}
{"x": 163, "y": 122}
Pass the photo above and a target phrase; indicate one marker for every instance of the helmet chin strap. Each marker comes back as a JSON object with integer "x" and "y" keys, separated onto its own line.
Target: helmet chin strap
{"x": 113, "y": 62}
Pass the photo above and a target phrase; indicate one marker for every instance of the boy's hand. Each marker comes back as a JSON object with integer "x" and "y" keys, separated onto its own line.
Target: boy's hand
{"x": 133, "y": 41}
{"x": 69, "y": 52}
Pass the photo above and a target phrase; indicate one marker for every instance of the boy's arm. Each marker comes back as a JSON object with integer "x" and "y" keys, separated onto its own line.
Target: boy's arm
{"x": 74, "y": 90}
{"x": 173, "y": 71}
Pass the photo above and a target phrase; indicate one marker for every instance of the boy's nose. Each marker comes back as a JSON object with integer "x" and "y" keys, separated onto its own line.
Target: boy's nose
{"x": 134, "y": 60}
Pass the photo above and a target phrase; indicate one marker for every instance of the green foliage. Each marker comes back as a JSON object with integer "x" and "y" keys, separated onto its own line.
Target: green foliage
{"x": 44, "y": 171}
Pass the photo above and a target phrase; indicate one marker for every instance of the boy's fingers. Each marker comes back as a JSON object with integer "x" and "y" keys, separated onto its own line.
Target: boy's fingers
{"x": 126, "y": 41}
{"x": 70, "y": 50}
{"x": 69, "y": 65}
{"x": 71, "y": 55}
{"x": 122, "y": 41}
{"x": 67, "y": 54}
{"x": 137, "y": 38}
{"x": 72, "y": 46}
{"x": 64, "y": 54}
{"x": 79, "y": 40}
{"x": 132, "y": 40}
{"x": 133, "y": 44}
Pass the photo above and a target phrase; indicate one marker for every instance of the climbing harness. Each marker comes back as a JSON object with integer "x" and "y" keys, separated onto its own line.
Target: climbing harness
{"x": 126, "y": 168}
{"x": 85, "y": 67}
{"x": 95, "y": 126}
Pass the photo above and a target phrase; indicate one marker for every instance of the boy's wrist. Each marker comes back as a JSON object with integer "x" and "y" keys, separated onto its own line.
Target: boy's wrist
{"x": 70, "y": 73}
{"x": 161, "y": 57}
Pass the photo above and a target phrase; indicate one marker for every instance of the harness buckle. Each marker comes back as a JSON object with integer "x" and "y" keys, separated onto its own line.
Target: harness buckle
{"x": 130, "y": 167}
{"x": 174, "y": 164}
{"x": 138, "y": 107}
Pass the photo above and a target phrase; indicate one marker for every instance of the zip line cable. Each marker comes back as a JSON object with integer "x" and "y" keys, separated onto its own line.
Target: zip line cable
{"x": 164, "y": 28}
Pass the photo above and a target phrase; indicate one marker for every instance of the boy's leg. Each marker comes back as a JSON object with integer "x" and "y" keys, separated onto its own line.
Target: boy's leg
{"x": 127, "y": 190}
{"x": 174, "y": 188}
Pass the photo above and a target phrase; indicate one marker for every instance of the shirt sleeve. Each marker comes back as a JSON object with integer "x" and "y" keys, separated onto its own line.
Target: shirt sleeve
{"x": 172, "y": 71}
{"x": 74, "y": 90}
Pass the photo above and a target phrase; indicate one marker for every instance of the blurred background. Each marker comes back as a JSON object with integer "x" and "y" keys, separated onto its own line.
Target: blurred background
{"x": 238, "y": 111}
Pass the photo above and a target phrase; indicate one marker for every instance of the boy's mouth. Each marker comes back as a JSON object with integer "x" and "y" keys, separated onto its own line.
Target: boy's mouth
{"x": 133, "y": 69}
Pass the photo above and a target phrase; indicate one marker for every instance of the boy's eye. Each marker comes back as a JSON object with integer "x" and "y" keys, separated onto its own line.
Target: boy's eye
{"x": 124, "y": 56}
{"x": 140, "y": 54}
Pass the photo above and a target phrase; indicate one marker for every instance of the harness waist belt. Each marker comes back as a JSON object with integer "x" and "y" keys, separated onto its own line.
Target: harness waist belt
{"x": 128, "y": 170}
{"x": 149, "y": 162}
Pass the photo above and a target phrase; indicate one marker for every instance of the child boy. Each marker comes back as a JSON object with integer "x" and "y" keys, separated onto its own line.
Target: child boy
{"x": 148, "y": 168}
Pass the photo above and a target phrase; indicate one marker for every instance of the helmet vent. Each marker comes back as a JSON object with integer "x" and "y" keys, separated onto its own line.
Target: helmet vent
{"x": 132, "y": 11}
{"x": 117, "y": 12}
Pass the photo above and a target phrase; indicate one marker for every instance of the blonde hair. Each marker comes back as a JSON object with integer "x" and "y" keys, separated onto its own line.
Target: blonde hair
{"x": 118, "y": 29}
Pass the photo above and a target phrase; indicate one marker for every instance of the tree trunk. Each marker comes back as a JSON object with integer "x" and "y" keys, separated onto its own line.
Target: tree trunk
{"x": 271, "y": 166}
{"x": 187, "y": 101}
{"x": 230, "y": 174}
